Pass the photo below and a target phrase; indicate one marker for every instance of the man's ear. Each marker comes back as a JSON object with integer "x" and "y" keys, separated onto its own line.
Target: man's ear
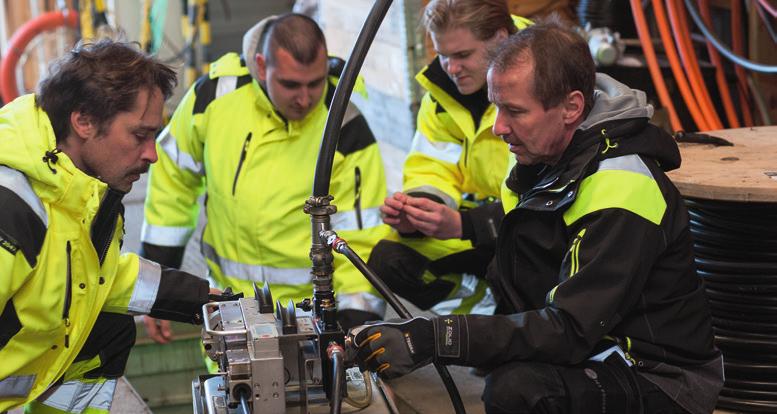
{"x": 261, "y": 67}
{"x": 574, "y": 105}
{"x": 83, "y": 125}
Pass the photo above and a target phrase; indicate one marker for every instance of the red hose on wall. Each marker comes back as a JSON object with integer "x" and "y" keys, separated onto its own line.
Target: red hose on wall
{"x": 45, "y": 22}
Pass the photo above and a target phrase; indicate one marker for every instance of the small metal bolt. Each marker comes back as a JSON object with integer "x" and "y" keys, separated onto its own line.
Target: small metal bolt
{"x": 549, "y": 203}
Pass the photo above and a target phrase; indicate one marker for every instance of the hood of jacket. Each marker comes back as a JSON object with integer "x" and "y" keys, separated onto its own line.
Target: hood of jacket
{"x": 616, "y": 126}
{"x": 27, "y": 144}
{"x": 251, "y": 40}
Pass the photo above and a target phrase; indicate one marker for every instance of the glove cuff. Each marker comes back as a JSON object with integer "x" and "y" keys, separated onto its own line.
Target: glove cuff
{"x": 451, "y": 339}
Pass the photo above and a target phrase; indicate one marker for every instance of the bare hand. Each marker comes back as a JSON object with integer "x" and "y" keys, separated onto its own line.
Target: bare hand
{"x": 158, "y": 329}
{"x": 393, "y": 214}
{"x": 432, "y": 218}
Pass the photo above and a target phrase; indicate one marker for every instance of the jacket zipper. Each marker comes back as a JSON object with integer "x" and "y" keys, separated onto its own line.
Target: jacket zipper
{"x": 240, "y": 163}
{"x": 357, "y": 200}
{"x": 466, "y": 150}
{"x": 68, "y": 296}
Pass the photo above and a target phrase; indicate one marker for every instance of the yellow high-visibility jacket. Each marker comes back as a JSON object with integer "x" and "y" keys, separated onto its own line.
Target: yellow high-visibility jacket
{"x": 60, "y": 233}
{"x": 227, "y": 140}
{"x": 454, "y": 154}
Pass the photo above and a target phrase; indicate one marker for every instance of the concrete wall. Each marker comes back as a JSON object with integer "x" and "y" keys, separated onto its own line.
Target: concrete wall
{"x": 389, "y": 67}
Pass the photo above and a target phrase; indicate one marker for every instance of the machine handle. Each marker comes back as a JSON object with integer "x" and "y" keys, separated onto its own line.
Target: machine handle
{"x": 206, "y": 322}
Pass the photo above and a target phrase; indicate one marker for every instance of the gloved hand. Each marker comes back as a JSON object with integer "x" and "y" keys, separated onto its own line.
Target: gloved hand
{"x": 394, "y": 348}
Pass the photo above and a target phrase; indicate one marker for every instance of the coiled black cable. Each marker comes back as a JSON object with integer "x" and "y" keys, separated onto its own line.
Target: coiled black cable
{"x": 736, "y": 254}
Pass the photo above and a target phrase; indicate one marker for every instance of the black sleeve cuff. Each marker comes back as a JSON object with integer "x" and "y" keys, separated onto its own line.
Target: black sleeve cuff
{"x": 164, "y": 255}
{"x": 481, "y": 224}
{"x": 451, "y": 339}
{"x": 467, "y": 227}
{"x": 180, "y": 297}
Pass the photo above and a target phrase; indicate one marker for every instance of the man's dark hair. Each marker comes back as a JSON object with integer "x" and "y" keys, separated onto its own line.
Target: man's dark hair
{"x": 100, "y": 80}
{"x": 296, "y": 33}
{"x": 562, "y": 61}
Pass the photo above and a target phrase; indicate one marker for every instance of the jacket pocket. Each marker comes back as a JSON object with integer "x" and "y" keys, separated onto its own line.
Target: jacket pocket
{"x": 243, "y": 153}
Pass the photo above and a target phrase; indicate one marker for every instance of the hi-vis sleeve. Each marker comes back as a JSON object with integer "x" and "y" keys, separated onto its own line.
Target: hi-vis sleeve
{"x": 176, "y": 179}
{"x": 432, "y": 166}
{"x": 145, "y": 287}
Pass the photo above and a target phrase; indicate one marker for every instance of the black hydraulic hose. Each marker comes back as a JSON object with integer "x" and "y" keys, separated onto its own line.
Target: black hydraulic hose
{"x": 341, "y": 96}
{"x": 341, "y": 246}
{"x": 338, "y": 370}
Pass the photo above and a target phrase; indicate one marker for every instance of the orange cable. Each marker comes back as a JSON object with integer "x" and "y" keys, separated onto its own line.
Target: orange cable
{"x": 679, "y": 22}
{"x": 655, "y": 71}
{"x": 720, "y": 73}
{"x": 677, "y": 70}
{"x": 737, "y": 45}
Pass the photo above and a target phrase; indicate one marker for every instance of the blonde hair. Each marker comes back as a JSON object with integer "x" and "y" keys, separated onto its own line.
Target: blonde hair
{"x": 482, "y": 17}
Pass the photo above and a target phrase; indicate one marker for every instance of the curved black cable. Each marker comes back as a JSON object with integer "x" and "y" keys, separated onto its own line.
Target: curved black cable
{"x": 331, "y": 135}
{"x": 341, "y": 96}
{"x": 341, "y": 246}
{"x": 735, "y": 245}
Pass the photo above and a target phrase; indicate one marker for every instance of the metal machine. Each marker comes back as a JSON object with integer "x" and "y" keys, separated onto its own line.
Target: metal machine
{"x": 278, "y": 362}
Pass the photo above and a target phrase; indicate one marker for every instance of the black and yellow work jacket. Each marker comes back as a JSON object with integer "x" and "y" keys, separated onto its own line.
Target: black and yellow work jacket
{"x": 596, "y": 251}
{"x": 226, "y": 139}
{"x": 60, "y": 265}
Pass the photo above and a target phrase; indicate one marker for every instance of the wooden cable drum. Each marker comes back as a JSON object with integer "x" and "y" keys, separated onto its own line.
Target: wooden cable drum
{"x": 731, "y": 194}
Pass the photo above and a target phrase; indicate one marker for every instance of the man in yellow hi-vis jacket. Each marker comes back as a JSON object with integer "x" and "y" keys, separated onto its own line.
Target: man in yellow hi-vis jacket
{"x": 248, "y": 135}
{"x": 68, "y": 154}
{"x": 444, "y": 245}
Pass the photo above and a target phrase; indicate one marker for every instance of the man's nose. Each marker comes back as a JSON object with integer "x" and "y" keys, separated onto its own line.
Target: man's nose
{"x": 500, "y": 127}
{"x": 149, "y": 151}
{"x": 452, "y": 66}
{"x": 304, "y": 98}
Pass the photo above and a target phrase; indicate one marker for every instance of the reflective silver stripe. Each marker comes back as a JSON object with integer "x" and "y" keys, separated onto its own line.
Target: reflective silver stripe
{"x": 17, "y": 386}
{"x": 447, "y": 307}
{"x": 631, "y": 163}
{"x": 448, "y": 200}
{"x": 470, "y": 285}
{"x": 165, "y": 235}
{"x": 146, "y": 287}
{"x": 346, "y": 220}
{"x": 615, "y": 349}
{"x": 257, "y": 273}
{"x": 225, "y": 85}
{"x": 444, "y": 151}
{"x": 183, "y": 160}
{"x": 76, "y": 396}
{"x": 17, "y": 182}
{"x": 485, "y": 306}
{"x": 362, "y": 301}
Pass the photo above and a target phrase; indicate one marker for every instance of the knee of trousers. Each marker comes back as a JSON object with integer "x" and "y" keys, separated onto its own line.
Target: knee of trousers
{"x": 521, "y": 387}
{"x": 399, "y": 266}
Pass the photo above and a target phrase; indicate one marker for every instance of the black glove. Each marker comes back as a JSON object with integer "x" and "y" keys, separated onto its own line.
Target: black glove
{"x": 394, "y": 348}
